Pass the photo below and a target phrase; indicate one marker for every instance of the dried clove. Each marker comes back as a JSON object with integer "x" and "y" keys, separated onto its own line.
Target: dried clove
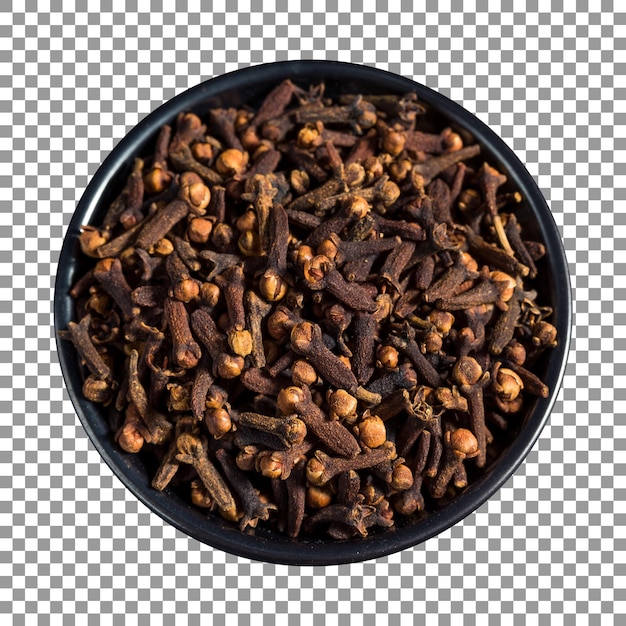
{"x": 109, "y": 273}
{"x": 289, "y": 430}
{"x": 306, "y": 339}
{"x": 232, "y": 284}
{"x": 469, "y": 376}
{"x": 322, "y": 468}
{"x": 185, "y": 350}
{"x": 157, "y": 425}
{"x": 334, "y": 435}
{"x": 194, "y": 451}
{"x": 169, "y": 465}
{"x": 320, "y": 273}
{"x": 318, "y": 305}
{"x": 254, "y": 509}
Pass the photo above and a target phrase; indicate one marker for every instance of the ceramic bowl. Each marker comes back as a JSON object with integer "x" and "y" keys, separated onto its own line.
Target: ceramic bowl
{"x": 248, "y": 86}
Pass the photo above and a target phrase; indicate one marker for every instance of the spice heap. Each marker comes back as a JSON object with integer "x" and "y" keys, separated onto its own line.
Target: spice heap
{"x": 314, "y": 314}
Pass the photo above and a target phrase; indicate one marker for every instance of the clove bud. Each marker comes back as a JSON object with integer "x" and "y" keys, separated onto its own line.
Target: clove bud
{"x": 319, "y": 305}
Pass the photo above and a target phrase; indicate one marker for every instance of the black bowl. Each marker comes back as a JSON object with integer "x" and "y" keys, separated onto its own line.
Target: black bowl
{"x": 249, "y": 85}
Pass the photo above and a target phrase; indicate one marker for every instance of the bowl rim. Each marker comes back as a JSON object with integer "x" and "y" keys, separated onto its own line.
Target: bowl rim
{"x": 284, "y": 550}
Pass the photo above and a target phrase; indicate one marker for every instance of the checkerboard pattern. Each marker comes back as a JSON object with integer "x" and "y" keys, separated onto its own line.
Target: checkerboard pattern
{"x": 77, "y": 547}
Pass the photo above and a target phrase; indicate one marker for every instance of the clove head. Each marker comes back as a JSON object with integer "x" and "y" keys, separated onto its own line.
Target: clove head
{"x": 200, "y": 496}
{"x": 229, "y": 366}
{"x": 132, "y": 435}
{"x": 342, "y": 404}
{"x": 393, "y": 142}
{"x": 371, "y": 431}
{"x": 231, "y": 162}
{"x": 91, "y": 239}
{"x": 544, "y": 334}
{"x": 357, "y": 206}
{"x": 303, "y": 336}
{"x": 218, "y": 422}
{"x": 303, "y": 373}
{"x": 194, "y": 192}
{"x": 464, "y": 442}
{"x": 240, "y": 342}
{"x": 187, "y": 357}
{"x": 467, "y": 371}
{"x": 186, "y": 290}
{"x": 97, "y": 390}
{"x": 515, "y": 353}
{"x": 506, "y": 284}
{"x": 273, "y": 286}
{"x": 199, "y": 230}
{"x": 295, "y": 430}
{"x": 316, "y": 269}
{"x": 279, "y": 324}
{"x": 401, "y": 477}
{"x": 442, "y": 321}
{"x": 387, "y": 357}
{"x": 156, "y": 180}
{"x": 507, "y": 384}
{"x": 318, "y": 497}
{"x": 315, "y": 472}
{"x": 289, "y": 399}
{"x": 271, "y": 466}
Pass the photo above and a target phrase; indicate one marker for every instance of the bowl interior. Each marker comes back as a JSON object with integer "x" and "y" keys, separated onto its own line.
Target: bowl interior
{"x": 249, "y": 86}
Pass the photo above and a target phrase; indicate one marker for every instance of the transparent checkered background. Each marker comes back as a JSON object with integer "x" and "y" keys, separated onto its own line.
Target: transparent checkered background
{"x": 75, "y": 77}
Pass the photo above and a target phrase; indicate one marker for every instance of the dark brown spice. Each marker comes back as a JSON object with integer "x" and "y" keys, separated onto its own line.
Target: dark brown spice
{"x": 366, "y": 330}
{"x": 183, "y": 287}
{"x": 320, "y": 273}
{"x": 513, "y": 233}
{"x": 486, "y": 292}
{"x": 275, "y": 103}
{"x": 406, "y": 343}
{"x": 108, "y": 272}
{"x": 224, "y": 365}
{"x": 424, "y": 173}
{"x": 132, "y": 215}
{"x": 460, "y": 444}
{"x": 411, "y": 500}
{"x": 306, "y": 340}
{"x": 156, "y": 227}
{"x": 223, "y": 122}
{"x": 504, "y": 327}
{"x": 232, "y": 284}
{"x": 468, "y": 374}
{"x": 319, "y": 306}
{"x": 280, "y": 463}
{"x": 200, "y": 389}
{"x": 193, "y": 450}
{"x": 335, "y": 436}
{"x": 256, "y": 311}
{"x": 158, "y": 177}
{"x": 449, "y": 283}
{"x": 189, "y": 128}
{"x": 254, "y": 509}
{"x": 186, "y": 252}
{"x": 494, "y": 256}
{"x": 170, "y": 464}
{"x": 354, "y": 251}
{"x": 185, "y": 350}
{"x": 322, "y": 468}
{"x": 395, "y": 264}
{"x": 273, "y": 284}
{"x": 157, "y": 425}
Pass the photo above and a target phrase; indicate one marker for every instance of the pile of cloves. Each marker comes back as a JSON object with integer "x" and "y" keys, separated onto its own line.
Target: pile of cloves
{"x": 313, "y": 315}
